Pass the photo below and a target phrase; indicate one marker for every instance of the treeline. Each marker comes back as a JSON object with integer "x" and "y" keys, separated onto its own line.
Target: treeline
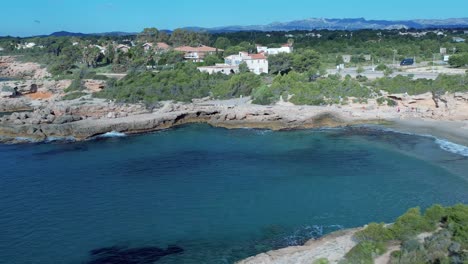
{"x": 183, "y": 83}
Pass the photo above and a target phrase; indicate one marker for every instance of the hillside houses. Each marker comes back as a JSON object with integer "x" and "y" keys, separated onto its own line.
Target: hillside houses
{"x": 197, "y": 54}
{"x": 257, "y": 63}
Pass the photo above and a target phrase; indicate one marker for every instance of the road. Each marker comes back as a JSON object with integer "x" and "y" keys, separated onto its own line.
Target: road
{"x": 377, "y": 74}
{"x": 419, "y": 71}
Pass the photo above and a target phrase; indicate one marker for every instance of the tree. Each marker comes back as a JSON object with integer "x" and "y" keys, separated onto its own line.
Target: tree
{"x": 171, "y": 57}
{"x": 280, "y": 63}
{"x": 222, "y": 43}
{"x": 179, "y": 37}
{"x": 339, "y": 60}
{"x": 212, "y": 59}
{"x": 243, "y": 68}
{"x": 91, "y": 56}
{"x": 357, "y": 59}
{"x": 360, "y": 70}
{"x": 148, "y": 35}
{"x": 307, "y": 60}
{"x": 458, "y": 60}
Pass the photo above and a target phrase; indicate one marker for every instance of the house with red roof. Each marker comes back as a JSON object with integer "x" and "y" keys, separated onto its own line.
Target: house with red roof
{"x": 159, "y": 47}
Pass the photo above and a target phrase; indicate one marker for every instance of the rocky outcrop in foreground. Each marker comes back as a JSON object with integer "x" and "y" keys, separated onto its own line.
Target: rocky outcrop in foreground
{"x": 332, "y": 247}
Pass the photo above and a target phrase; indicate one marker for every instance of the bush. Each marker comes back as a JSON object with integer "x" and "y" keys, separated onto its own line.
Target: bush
{"x": 321, "y": 261}
{"x": 411, "y": 224}
{"x": 457, "y": 223}
{"x": 73, "y": 95}
{"x": 375, "y": 232}
{"x": 365, "y": 252}
{"x": 381, "y": 67}
{"x": 76, "y": 85}
{"x": 435, "y": 213}
{"x": 263, "y": 95}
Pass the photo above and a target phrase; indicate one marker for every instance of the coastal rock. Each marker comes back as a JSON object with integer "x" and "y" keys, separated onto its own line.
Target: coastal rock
{"x": 66, "y": 119}
{"x": 18, "y": 122}
{"x": 332, "y": 247}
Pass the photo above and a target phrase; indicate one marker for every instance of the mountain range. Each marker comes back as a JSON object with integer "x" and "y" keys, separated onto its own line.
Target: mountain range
{"x": 349, "y": 24}
{"x": 315, "y": 23}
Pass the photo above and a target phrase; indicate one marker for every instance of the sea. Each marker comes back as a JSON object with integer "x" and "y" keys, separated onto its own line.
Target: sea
{"x": 215, "y": 195}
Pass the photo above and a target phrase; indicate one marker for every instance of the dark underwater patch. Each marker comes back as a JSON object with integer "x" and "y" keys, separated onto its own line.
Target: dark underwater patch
{"x": 140, "y": 255}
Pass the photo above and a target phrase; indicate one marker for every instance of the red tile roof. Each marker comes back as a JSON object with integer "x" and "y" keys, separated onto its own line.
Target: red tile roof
{"x": 162, "y": 45}
{"x": 259, "y": 56}
{"x": 201, "y": 48}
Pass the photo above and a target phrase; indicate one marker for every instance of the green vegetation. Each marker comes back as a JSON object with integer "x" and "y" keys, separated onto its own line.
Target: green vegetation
{"x": 163, "y": 75}
{"x": 73, "y": 95}
{"x": 321, "y": 261}
{"x": 446, "y": 240}
{"x": 183, "y": 83}
{"x": 365, "y": 252}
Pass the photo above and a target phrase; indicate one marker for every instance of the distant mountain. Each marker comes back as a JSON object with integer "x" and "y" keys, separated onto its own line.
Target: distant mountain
{"x": 67, "y": 34}
{"x": 308, "y": 24}
{"x": 344, "y": 24}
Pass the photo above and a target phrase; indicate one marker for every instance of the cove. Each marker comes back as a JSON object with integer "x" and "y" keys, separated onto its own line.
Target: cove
{"x": 198, "y": 194}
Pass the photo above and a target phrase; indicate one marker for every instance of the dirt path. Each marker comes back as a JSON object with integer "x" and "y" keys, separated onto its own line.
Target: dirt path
{"x": 385, "y": 258}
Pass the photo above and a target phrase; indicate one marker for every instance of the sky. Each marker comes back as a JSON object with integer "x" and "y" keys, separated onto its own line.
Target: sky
{"x": 37, "y": 17}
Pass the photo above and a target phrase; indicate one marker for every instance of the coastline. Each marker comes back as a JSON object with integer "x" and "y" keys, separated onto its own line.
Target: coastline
{"x": 332, "y": 247}
{"x": 97, "y": 118}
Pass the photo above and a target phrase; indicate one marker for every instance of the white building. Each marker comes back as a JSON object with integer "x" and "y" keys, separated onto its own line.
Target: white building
{"x": 286, "y": 48}
{"x": 219, "y": 67}
{"x": 257, "y": 63}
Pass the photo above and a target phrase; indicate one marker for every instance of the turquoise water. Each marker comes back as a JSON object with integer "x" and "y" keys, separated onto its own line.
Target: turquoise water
{"x": 220, "y": 195}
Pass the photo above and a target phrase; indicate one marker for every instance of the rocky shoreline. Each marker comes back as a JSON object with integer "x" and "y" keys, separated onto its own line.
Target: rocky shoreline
{"x": 85, "y": 118}
{"x": 89, "y": 120}
{"x": 332, "y": 247}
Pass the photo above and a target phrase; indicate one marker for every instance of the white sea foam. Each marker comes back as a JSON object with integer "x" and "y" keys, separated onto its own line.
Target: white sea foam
{"x": 442, "y": 143}
{"x": 112, "y": 134}
{"x": 53, "y": 139}
{"x": 452, "y": 147}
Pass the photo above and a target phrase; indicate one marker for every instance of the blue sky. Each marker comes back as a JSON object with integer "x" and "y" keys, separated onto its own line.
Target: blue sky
{"x": 34, "y": 17}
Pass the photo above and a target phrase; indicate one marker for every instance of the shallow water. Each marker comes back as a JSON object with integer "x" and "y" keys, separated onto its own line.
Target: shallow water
{"x": 220, "y": 195}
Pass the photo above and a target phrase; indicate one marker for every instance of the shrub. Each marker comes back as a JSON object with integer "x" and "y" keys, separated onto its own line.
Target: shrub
{"x": 457, "y": 221}
{"x": 263, "y": 95}
{"x": 381, "y": 67}
{"x": 391, "y": 102}
{"x": 73, "y": 95}
{"x": 376, "y": 232}
{"x": 365, "y": 252}
{"x": 410, "y": 224}
{"x": 435, "y": 213}
{"x": 321, "y": 261}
